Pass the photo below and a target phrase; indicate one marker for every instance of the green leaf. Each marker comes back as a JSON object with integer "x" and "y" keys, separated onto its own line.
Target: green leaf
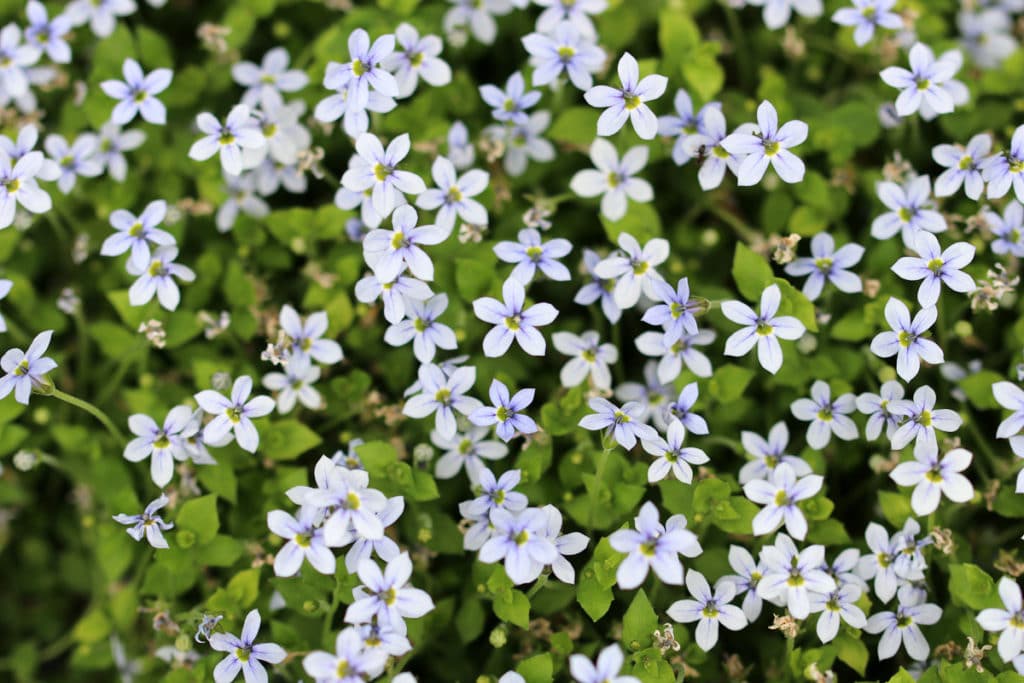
{"x": 852, "y": 652}
{"x": 751, "y": 272}
{"x": 576, "y": 126}
{"x": 199, "y": 516}
{"x": 639, "y": 622}
{"x": 796, "y": 304}
{"x": 971, "y": 586}
{"x": 537, "y": 669}
{"x": 895, "y": 507}
{"x": 729, "y": 382}
{"x": 594, "y": 587}
{"x": 641, "y": 221}
{"x": 978, "y": 388}
{"x": 288, "y": 439}
{"x": 473, "y": 277}
{"x": 509, "y": 604}
{"x": 902, "y": 677}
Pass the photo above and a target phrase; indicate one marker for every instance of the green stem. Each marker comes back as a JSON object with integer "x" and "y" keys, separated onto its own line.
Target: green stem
{"x": 325, "y": 630}
{"x": 537, "y": 586}
{"x": 83, "y": 348}
{"x": 739, "y": 42}
{"x": 91, "y": 409}
{"x": 744, "y": 231}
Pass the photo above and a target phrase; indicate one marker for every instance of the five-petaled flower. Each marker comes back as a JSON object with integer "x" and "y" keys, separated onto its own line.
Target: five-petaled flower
{"x": 628, "y": 101}
{"x": 26, "y": 370}
{"x": 235, "y": 413}
{"x": 148, "y": 524}
{"x": 245, "y": 655}
{"x": 513, "y": 321}
{"x": 136, "y": 94}
{"x": 906, "y": 339}
{"x": 769, "y": 144}
{"x": 762, "y": 329}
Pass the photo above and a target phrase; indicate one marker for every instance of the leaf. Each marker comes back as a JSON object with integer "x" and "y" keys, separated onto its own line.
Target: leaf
{"x": 971, "y": 586}
{"x": 729, "y": 382}
{"x": 593, "y": 590}
{"x": 641, "y": 221}
{"x": 852, "y": 652}
{"x": 575, "y": 125}
{"x": 473, "y": 277}
{"x": 639, "y": 622}
{"x": 509, "y": 604}
{"x": 288, "y": 439}
{"x": 199, "y": 516}
{"x": 978, "y": 388}
{"x": 537, "y": 669}
{"x": 751, "y": 272}
{"x": 795, "y": 303}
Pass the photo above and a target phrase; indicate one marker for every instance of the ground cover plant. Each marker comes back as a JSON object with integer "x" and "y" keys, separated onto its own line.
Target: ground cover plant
{"x": 499, "y": 340}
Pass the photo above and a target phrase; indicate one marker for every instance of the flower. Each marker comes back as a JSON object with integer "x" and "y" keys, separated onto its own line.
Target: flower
{"x": 158, "y": 277}
{"x": 523, "y": 142}
{"x": 395, "y": 294}
{"x": 936, "y": 268}
{"x": 605, "y": 670}
{"x": 26, "y": 370}
{"x": 565, "y": 544}
{"x": 530, "y": 253}
{"x": 748, "y": 574}
{"x": 1002, "y": 170}
{"x": 589, "y": 357}
{"x": 18, "y": 185}
{"x": 901, "y": 626}
{"x": 1011, "y": 397}
{"x": 266, "y": 81}
{"x": 135, "y": 233}
{"x": 388, "y": 252}
{"x": 477, "y": 15}
{"x": 365, "y": 70}
{"x": 987, "y": 35}
{"x": 137, "y": 93}
{"x": 1008, "y": 229}
{"x": 633, "y": 268}
{"x": 827, "y": 417}
{"x": 613, "y": 179}
{"x": 672, "y": 456}
{"x": 878, "y": 408}
{"x": 244, "y": 654}
{"x": 510, "y": 104}
{"x": 113, "y": 144}
{"x": 963, "y": 166}
{"x": 840, "y": 604}
{"x": 460, "y": 147}
{"x": 376, "y": 169}
{"x": 906, "y": 340}
{"x": 828, "y": 264}
{"x": 386, "y": 596}
{"x": 653, "y": 546}
{"x": 575, "y": 12}
{"x": 422, "y": 328}
{"x": 505, "y": 412}
{"x": 566, "y": 47}
{"x": 454, "y": 195}
{"x": 343, "y": 103}
{"x": 923, "y": 83}
{"x": 521, "y": 540}
{"x": 768, "y": 145}
{"x": 353, "y": 661}
{"x": 416, "y": 58}
{"x": 598, "y": 289}
{"x": 684, "y": 124}
{"x": 791, "y": 575}
{"x": 762, "y": 329}
{"x": 866, "y": 15}
{"x": 922, "y": 420}
{"x": 305, "y": 336}
{"x": 776, "y": 13}
{"x": 779, "y": 498}
{"x": 295, "y": 384}
{"x": 674, "y": 355}
{"x": 495, "y": 494}
{"x": 238, "y": 132}
{"x": 880, "y": 563}
{"x": 235, "y": 414}
{"x": 932, "y": 477}
{"x": 386, "y": 549}
{"x": 675, "y": 313}
{"x": 48, "y": 34}
{"x": 344, "y": 493}
{"x": 708, "y": 609}
{"x": 1008, "y": 622}
{"x": 15, "y": 59}
{"x": 305, "y": 541}
{"x": 629, "y": 101}
{"x": 769, "y": 454}
{"x": 76, "y": 159}
{"x": 148, "y": 524}
{"x": 162, "y": 442}
{"x": 101, "y": 15}
{"x": 513, "y": 321}
{"x": 622, "y": 423}
{"x": 468, "y": 449}
{"x": 442, "y": 396}
{"x": 707, "y": 147}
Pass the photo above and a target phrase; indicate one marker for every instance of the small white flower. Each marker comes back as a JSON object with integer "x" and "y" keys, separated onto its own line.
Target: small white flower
{"x": 932, "y": 477}
{"x": 613, "y": 179}
{"x": 827, "y": 416}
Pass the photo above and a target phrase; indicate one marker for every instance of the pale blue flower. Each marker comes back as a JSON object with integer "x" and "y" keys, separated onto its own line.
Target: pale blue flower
{"x": 389, "y": 252}
{"x": 238, "y": 132}
{"x": 513, "y": 321}
{"x": 421, "y": 327}
{"x": 708, "y": 609}
{"x": 762, "y": 329}
{"x": 161, "y": 443}
{"x": 707, "y": 148}
{"x": 1008, "y": 229}
{"x": 524, "y": 142}
{"x": 27, "y": 369}
{"x": 376, "y": 169}
{"x": 866, "y": 16}
{"x": 614, "y": 179}
{"x": 628, "y": 101}
{"x": 901, "y": 627}
{"x": 477, "y": 15}
{"x": 512, "y": 103}
{"x": 792, "y": 575}
{"x": 575, "y": 12}
{"x": 963, "y": 166}
{"x": 158, "y": 278}
{"x": 443, "y": 396}
{"x": 598, "y": 289}
{"x": 351, "y": 657}
{"x": 906, "y": 340}
{"x": 18, "y": 186}
{"x": 135, "y": 233}
{"x": 148, "y": 524}
{"x": 878, "y": 408}
{"x": 1007, "y": 622}
{"x": 828, "y": 264}
{"x": 244, "y": 653}
{"x": 923, "y": 83}
{"x": 770, "y": 144}
{"x": 521, "y": 540}
{"x": 384, "y": 547}
{"x": 468, "y": 449}
{"x": 607, "y": 668}
{"x": 15, "y": 60}
{"x": 686, "y": 123}
{"x": 675, "y": 313}
{"x": 101, "y": 15}
{"x": 267, "y": 80}
{"x": 672, "y": 456}
{"x": 988, "y": 36}
{"x": 922, "y": 421}
{"x": 777, "y": 13}
{"x": 74, "y": 160}
{"x": 305, "y": 541}
{"x": 933, "y": 476}
{"x": 675, "y": 355}
{"x": 768, "y": 454}
{"x": 235, "y": 414}
{"x": 1006, "y": 168}
{"x": 935, "y": 267}
{"x": 827, "y": 416}
{"x": 136, "y": 94}
{"x": 460, "y": 147}
{"x": 680, "y": 410}
{"x": 305, "y": 336}
{"x": 780, "y": 496}
{"x": 563, "y": 48}
{"x": 395, "y": 294}
{"x": 113, "y": 143}
{"x": 495, "y": 494}
{"x": 653, "y": 545}
{"x": 530, "y": 253}
{"x": 48, "y": 34}
{"x": 588, "y": 357}
{"x": 417, "y": 57}
{"x": 506, "y": 412}
{"x": 910, "y": 211}
{"x": 634, "y": 268}
{"x": 745, "y": 580}
{"x": 839, "y": 605}
{"x": 623, "y": 424}
{"x": 453, "y": 195}
{"x": 386, "y": 597}
{"x": 295, "y": 384}
{"x": 364, "y": 70}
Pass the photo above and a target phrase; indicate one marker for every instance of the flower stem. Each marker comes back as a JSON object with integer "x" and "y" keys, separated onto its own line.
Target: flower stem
{"x": 537, "y": 586}
{"x": 91, "y": 409}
